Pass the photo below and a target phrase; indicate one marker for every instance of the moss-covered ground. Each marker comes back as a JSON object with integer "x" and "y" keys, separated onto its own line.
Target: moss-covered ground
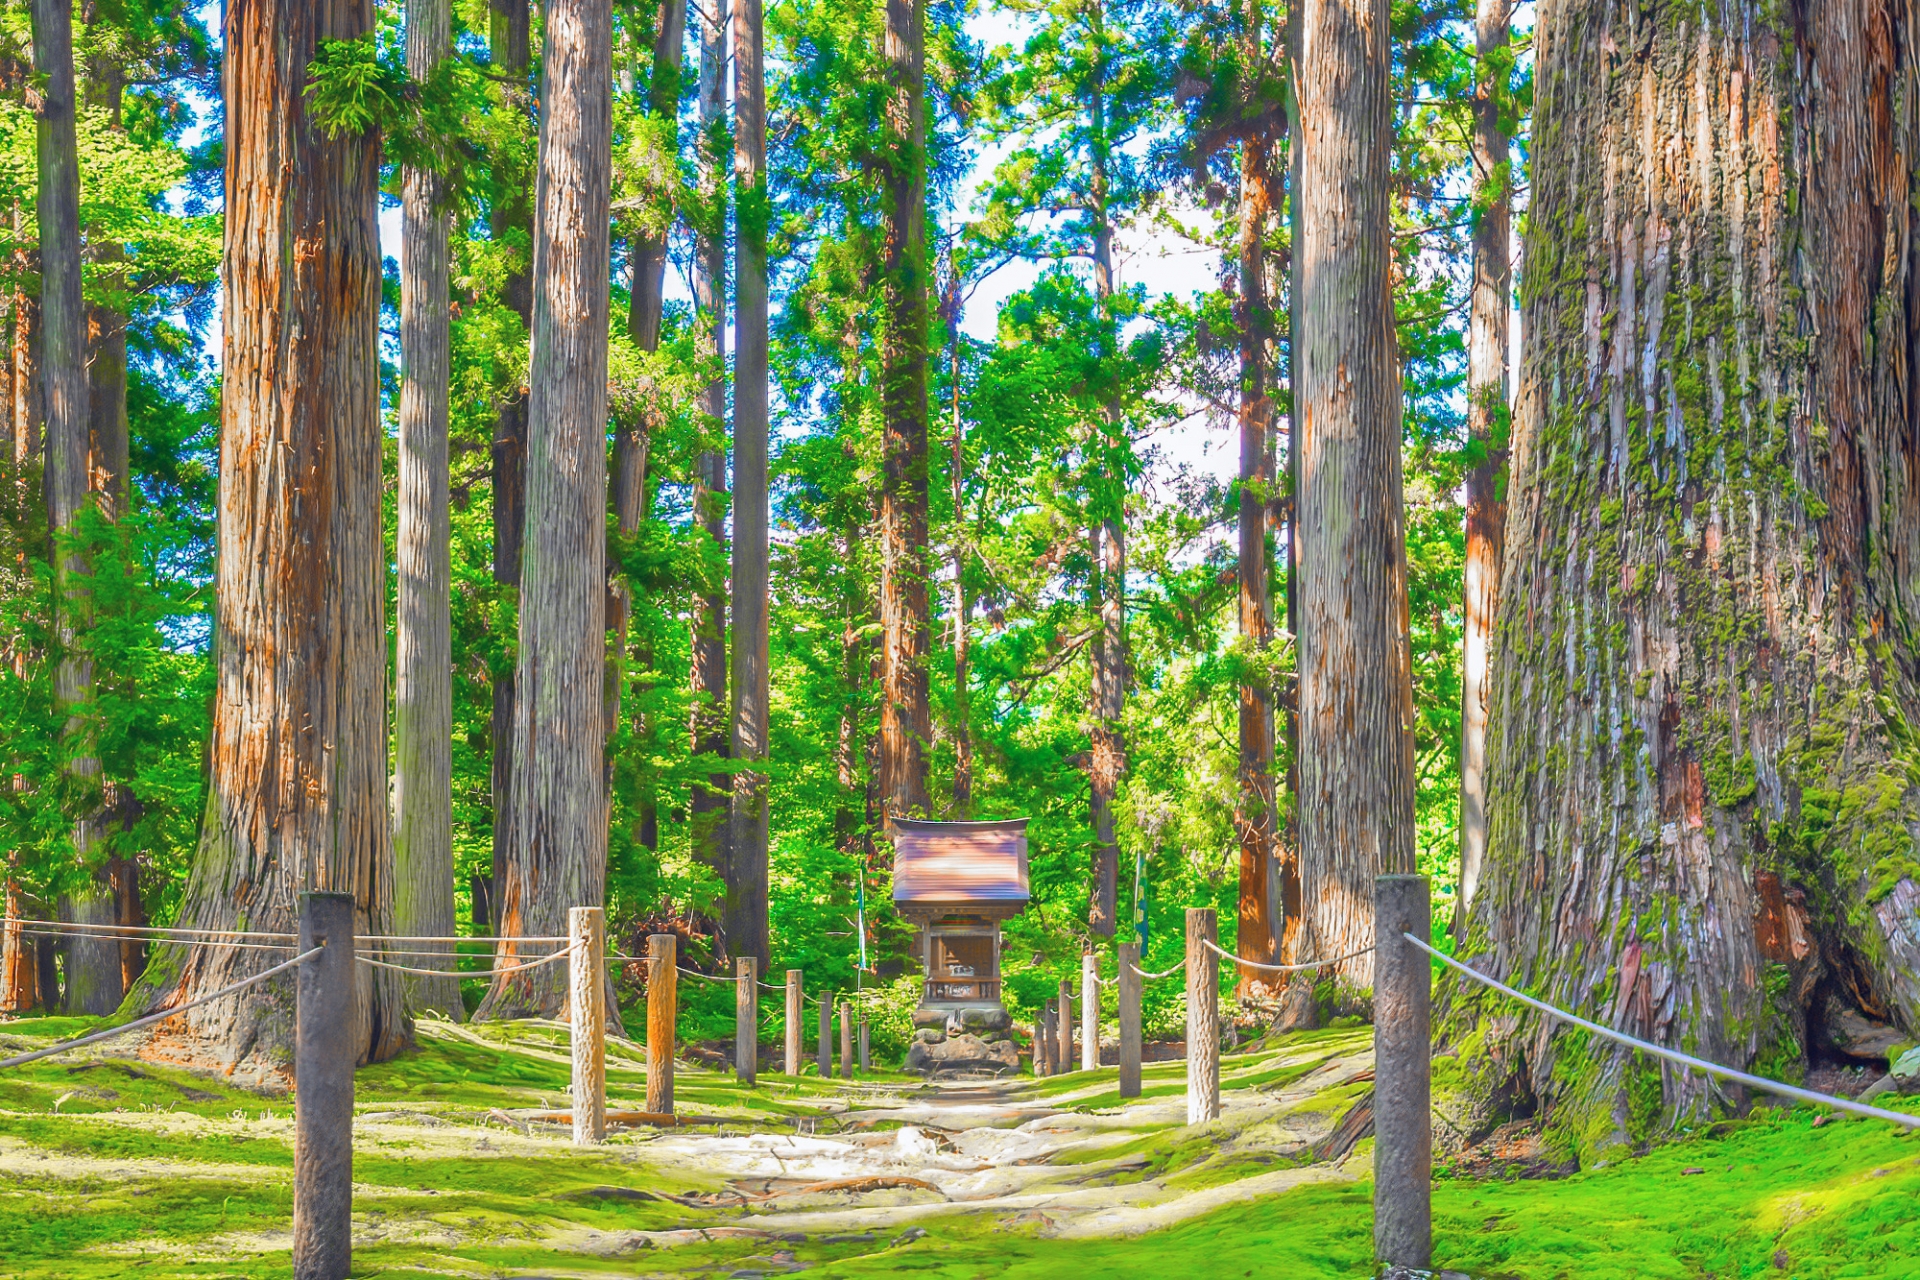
{"x": 119, "y": 1166}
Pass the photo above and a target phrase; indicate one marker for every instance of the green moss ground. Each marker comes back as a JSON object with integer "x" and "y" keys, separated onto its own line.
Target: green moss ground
{"x": 196, "y": 1173}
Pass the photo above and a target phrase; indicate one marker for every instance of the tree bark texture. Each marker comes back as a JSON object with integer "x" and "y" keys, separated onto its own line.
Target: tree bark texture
{"x": 512, "y": 219}
{"x": 1355, "y": 690}
{"x": 709, "y": 804}
{"x": 19, "y": 985}
{"x": 93, "y": 968}
{"x": 1699, "y": 756}
{"x": 108, "y": 444}
{"x": 423, "y": 644}
{"x": 1255, "y": 814}
{"x": 558, "y": 859}
{"x": 962, "y": 627}
{"x": 1487, "y": 421}
{"x": 906, "y": 719}
{"x": 25, "y": 410}
{"x": 297, "y": 780}
{"x": 746, "y": 924}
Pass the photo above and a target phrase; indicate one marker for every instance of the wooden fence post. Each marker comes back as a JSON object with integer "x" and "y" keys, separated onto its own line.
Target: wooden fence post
{"x": 866, "y": 1060}
{"x": 746, "y": 1018}
{"x": 323, "y": 1057}
{"x": 846, "y": 1041}
{"x": 1090, "y": 1011}
{"x": 1043, "y": 1040}
{"x": 796, "y": 1011}
{"x": 1402, "y": 1066}
{"x": 1063, "y": 1053}
{"x": 587, "y": 1021}
{"x": 663, "y": 1011}
{"x": 826, "y": 1036}
{"x": 1203, "y": 1019}
{"x": 1129, "y": 977}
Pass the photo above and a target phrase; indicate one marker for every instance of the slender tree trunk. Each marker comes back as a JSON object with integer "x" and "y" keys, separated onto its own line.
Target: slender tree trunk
{"x": 709, "y": 803}
{"x": 1255, "y": 813}
{"x": 746, "y": 925}
{"x": 1290, "y": 928}
{"x": 1356, "y": 696}
{"x": 558, "y": 859}
{"x": 25, "y": 409}
{"x": 646, "y": 307}
{"x": 1109, "y": 647}
{"x": 1704, "y": 686}
{"x": 512, "y": 223}
{"x": 1486, "y": 429}
{"x": 906, "y": 723}
{"x": 93, "y": 967}
{"x": 962, "y": 626}
{"x": 423, "y": 642}
{"x": 297, "y": 787}
{"x": 19, "y": 988}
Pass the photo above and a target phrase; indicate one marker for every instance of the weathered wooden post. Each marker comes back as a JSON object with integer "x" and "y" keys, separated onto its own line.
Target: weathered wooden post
{"x": 1063, "y": 1028}
{"x": 846, "y": 1041}
{"x": 826, "y": 1036}
{"x": 1044, "y": 1041}
{"x": 1402, "y": 1080}
{"x": 587, "y": 1021}
{"x": 663, "y": 1011}
{"x": 796, "y": 1012}
{"x": 1089, "y": 1011}
{"x": 323, "y": 1057}
{"x": 866, "y": 1060}
{"x": 1129, "y": 977}
{"x": 746, "y": 1018}
{"x": 1203, "y": 1019}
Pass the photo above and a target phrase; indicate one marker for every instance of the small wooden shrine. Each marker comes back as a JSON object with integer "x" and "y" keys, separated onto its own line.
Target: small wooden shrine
{"x": 957, "y": 881}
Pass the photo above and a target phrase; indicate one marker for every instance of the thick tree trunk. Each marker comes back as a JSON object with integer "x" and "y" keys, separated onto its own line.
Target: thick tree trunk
{"x": 710, "y": 802}
{"x": 19, "y": 985}
{"x": 1698, "y": 757}
{"x": 25, "y": 411}
{"x": 558, "y": 859}
{"x": 746, "y": 923}
{"x": 509, "y": 39}
{"x": 1356, "y": 695}
{"x": 1255, "y": 813}
{"x": 423, "y": 643}
{"x": 93, "y": 968}
{"x": 906, "y": 719}
{"x": 108, "y": 443}
{"x": 297, "y": 787}
{"x": 1486, "y": 429}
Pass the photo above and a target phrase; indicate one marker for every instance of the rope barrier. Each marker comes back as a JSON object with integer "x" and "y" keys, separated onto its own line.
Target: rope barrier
{"x": 461, "y": 973}
{"x": 1671, "y": 1055}
{"x": 1155, "y": 977}
{"x": 24, "y": 1058}
{"x": 162, "y": 942}
{"x": 1210, "y": 945}
{"x": 142, "y": 932}
{"x": 693, "y": 973}
{"x": 421, "y": 937}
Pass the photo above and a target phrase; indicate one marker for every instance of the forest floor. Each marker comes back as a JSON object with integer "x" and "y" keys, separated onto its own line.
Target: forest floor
{"x": 116, "y": 1166}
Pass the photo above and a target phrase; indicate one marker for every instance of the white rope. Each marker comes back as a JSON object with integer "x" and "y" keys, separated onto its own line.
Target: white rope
{"x": 138, "y": 932}
{"x": 422, "y": 937}
{"x": 162, "y": 1016}
{"x": 691, "y": 973}
{"x": 1673, "y": 1055}
{"x": 463, "y": 973}
{"x": 444, "y": 955}
{"x": 1155, "y": 977}
{"x": 1282, "y": 968}
{"x": 159, "y": 942}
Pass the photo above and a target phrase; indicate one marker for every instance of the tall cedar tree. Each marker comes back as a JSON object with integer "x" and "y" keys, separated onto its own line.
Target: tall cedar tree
{"x": 423, "y": 675}
{"x": 710, "y": 802}
{"x": 509, "y": 41}
{"x": 746, "y": 918}
{"x": 558, "y": 856}
{"x": 906, "y": 718}
{"x": 297, "y": 780}
{"x": 1486, "y": 426}
{"x": 1355, "y": 689}
{"x": 1698, "y": 760}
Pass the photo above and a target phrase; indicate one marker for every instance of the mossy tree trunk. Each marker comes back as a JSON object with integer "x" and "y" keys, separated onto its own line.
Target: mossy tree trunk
{"x": 1701, "y": 760}
{"x": 297, "y": 767}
